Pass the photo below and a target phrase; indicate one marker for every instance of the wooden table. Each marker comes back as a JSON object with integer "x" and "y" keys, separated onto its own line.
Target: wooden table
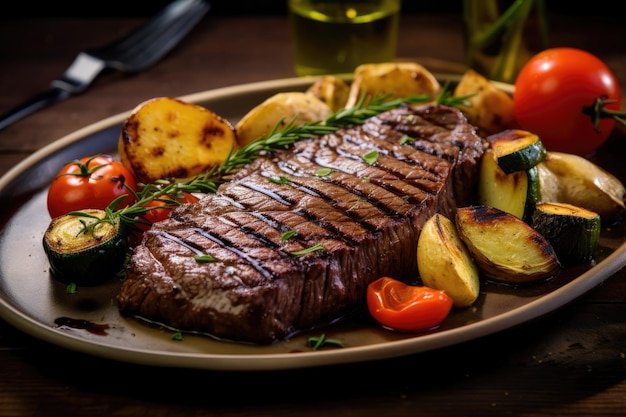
{"x": 570, "y": 363}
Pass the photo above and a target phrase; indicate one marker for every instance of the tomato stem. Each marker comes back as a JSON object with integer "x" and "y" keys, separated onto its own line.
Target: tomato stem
{"x": 85, "y": 171}
{"x": 597, "y": 111}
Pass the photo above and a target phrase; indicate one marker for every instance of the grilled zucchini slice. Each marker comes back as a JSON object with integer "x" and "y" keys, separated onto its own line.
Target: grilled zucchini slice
{"x": 84, "y": 250}
{"x": 517, "y": 150}
{"x": 504, "y": 247}
{"x": 516, "y": 193}
{"x": 573, "y": 232}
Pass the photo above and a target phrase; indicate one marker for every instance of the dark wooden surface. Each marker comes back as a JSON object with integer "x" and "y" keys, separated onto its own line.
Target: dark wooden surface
{"x": 570, "y": 363}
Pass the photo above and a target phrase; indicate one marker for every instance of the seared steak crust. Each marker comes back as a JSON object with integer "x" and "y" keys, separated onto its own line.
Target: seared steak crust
{"x": 366, "y": 215}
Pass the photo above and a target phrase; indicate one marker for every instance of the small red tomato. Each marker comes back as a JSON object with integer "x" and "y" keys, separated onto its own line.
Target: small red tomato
{"x": 553, "y": 89}
{"x": 91, "y": 182}
{"x": 399, "y": 306}
{"x": 168, "y": 203}
{"x": 146, "y": 220}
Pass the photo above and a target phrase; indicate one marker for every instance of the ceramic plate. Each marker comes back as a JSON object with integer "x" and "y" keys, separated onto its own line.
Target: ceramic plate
{"x": 89, "y": 321}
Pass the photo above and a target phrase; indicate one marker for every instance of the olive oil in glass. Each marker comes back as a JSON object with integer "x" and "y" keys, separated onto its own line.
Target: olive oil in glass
{"x": 334, "y": 37}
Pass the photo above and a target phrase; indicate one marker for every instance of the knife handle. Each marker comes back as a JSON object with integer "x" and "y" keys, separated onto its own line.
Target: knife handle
{"x": 38, "y": 102}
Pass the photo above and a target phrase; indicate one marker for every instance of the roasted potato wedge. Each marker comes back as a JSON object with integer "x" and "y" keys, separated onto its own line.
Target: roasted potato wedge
{"x": 168, "y": 138}
{"x": 398, "y": 79}
{"x": 278, "y": 111}
{"x": 490, "y": 108}
{"x": 516, "y": 193}
{"x": 504, "y": 247}
{"x": 573, "y": 179}
{"x": 332, "y": 90}
{"x": 444, "y": 262}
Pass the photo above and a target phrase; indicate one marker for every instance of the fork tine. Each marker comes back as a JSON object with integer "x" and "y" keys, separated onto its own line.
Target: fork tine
{"x": 160, "y": 42}
{"x": 155, "y": 38}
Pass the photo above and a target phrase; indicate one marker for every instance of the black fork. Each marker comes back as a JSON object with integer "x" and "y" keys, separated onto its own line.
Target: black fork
{"x": 131, "y": 54}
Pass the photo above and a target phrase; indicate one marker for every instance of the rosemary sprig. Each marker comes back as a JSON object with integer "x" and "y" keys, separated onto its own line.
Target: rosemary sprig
{"x": 446, "y": 97}
{"x": 282, "y": 139}
{"x": 166, "y": 191}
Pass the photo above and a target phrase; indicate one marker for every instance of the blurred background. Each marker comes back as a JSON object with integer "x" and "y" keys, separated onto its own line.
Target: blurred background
{"x": 112, "y": 8}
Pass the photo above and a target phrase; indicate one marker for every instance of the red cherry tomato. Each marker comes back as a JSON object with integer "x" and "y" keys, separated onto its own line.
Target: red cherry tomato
{"x": 92, "y": 182}
{"x": 158, "y": 214}
{"x": 551, "y": 91}
{"x": 146, "y": 220}
{"x": 403, "y": 307}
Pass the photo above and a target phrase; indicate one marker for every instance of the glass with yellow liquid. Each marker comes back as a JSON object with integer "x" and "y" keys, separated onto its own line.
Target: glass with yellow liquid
{"x": 335, "y": 36}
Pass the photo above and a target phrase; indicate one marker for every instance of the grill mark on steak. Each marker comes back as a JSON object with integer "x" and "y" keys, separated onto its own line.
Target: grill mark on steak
{"x": 364, "y": 180}
{"x": 349, "y": 201}
{"x": 323, "y": 211}
{"x": 362, "y": 188}
{"x": 244, "y": 227}
{"x": 256, "y": 290}
{"x": 410, "y": 155}
{"x": 191, "y": 246}
{"x": 420, "y": 172}
{"x": 269, "y": 193}
{"x": 427, "y": 128}
{"x": 197, "y": 249}
{"x": 230, "y": 246}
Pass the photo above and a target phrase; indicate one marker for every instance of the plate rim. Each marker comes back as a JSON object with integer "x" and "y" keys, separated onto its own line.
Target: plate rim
{"x": 275, "y": 361}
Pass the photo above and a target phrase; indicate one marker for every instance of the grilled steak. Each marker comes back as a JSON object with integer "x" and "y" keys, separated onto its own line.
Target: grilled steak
{"x": 365, "y": 216}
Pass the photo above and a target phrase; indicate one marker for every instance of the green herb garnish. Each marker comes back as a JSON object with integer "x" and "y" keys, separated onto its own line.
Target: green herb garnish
{"x": 314, "y": 248}
{"x": 371, "y": 157}
{"x": 71, "y": 288}
{"x": 204, "y": 258}
{"x": 279, "y": 180}
{"x": 323, "y": 341}
{"x": 288, "y": 235}
{"x": 322, "y": 172}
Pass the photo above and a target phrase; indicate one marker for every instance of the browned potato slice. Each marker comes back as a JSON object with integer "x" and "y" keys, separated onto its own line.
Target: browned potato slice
{"x": 490, "y": 109}
{"x": 332, "y": 90}
{"x": 568, "y": 178}
{"x": 399, "y": 79}
{"x": 168, "y": 138}
{"x": 505, "y": 248}
{"x": 280, "y": 108}
{"x": 444, "y": 262}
